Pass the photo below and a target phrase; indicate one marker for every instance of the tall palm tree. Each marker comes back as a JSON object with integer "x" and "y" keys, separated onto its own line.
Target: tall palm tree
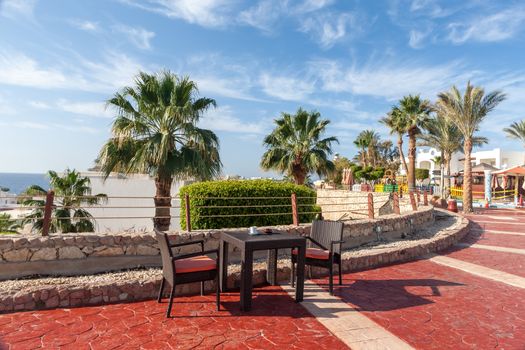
{"x": 447, "y": 138}
{"x": 516, "y": 130}
{"x": 467, "y": 111}
{"x": 155, "y": 132}
{"x": 72, "y": 195}
{"x": 361, "y": 145}
{"x": 395, "y": 120}
{"x": 415, "y": 111}
{"x": 296, "y": 147}
{"x": 367, "y": 141}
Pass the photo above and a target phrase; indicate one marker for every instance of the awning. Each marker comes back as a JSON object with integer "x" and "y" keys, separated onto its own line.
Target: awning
{"x": 514, "y": 171}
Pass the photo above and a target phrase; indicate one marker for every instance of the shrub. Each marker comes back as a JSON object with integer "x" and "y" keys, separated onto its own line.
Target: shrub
{"x": 422, "y": 174}
{"x": 231, "y": 199}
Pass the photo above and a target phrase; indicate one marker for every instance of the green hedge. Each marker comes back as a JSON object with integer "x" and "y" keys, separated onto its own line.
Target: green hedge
{"x": 422, "y": 174}
{"x": 204, "y": 201}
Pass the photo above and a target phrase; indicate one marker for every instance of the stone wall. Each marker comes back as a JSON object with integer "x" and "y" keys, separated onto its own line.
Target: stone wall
{"x": 67, "y": 254}
{"x": 354, "y": 205}
{"x": 141, "y": 285}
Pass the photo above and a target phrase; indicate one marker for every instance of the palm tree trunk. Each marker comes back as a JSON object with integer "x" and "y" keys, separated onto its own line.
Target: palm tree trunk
{"x": 467, "y": 178}
{"x": 162, "y": 202}
{"x": 447, "y": 165}
{"x": 401, "y": 154}
{"x": 411, "y": 160}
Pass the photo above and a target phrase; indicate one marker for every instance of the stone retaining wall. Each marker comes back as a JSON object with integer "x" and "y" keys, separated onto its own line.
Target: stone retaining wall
{"x": 143, "y": 285}
{"x": 66, "y": 254}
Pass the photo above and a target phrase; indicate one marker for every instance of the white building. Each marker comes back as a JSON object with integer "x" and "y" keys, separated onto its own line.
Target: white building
{"x": 7, "y": 200}
{"x": 501, "y": 159}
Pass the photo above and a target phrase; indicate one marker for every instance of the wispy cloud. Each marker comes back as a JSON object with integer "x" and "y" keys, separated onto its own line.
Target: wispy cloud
{"x": 431, "y": 8}
{"x": 223, "y": 119}
{"x": 113, "y": 71}
{"x": 390, "y": 80}
{"x": 207, "y": 13}
{"x": 263, "y": 15}
{"x": 138, "y": 36}
{"x": 497, "y": 27}
{"x": 286, "y": 87}
{"x": 329, "y": 28}
{"x": 417, "y": 38}
{"x": 91, "y": 109}
{"x": 88, "y": 26}
{"x": 17, "y": 8}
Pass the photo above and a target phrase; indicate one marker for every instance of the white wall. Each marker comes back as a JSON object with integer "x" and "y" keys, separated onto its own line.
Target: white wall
{"x": 130, "y": 186}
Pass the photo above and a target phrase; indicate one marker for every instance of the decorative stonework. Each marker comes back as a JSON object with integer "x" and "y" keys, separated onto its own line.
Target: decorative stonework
{"x": 143, "y": 284}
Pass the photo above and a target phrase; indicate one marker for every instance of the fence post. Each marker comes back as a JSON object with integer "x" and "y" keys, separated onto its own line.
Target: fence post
{"x": 370, "y": 205}
{"x": 413, "y": 201}
{"x": 396, "y": 204}
{"x": 295, "y": 214}
{"x": 187, "y": 209}
{"x": 425, "y": 198}
{"x": 418, "y": 197}
{"x": 50, "y": 196}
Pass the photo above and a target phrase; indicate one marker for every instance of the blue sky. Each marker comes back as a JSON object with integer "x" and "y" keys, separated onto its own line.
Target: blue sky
{"x": 350, "y": 60}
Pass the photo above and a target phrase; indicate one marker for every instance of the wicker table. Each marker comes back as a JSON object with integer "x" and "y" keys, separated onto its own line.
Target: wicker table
{"x": 248, "y": 244}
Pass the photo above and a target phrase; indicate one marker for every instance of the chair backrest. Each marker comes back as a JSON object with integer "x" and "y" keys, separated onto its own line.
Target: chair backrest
{"x": 166, "y": 255}
{"x": 325, "y": 231}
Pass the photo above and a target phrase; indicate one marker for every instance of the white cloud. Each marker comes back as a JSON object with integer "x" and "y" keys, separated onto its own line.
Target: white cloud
{"x": 17, "y": 8}
{"x": 91, "y": 109}
{"x": 25, "y": 125}
{"x": 207, "y": 13}
{"x": 223, "y": 119}
{"x": 88, "y": 26}
{"x": 113, "y": 71}
{"x": 417, "y": 38}
{"x": 285, "y": 87}
{"x": 139, "y": 37}
{"x": 389, "y": 80}
{"x": 39, "y": 104}
{"x": 329, "y": 28}
{"x": 497, "y": 27}
{"x": 312, "y": 5}
{"x": 431, "y": 8}
{"x": 263, "y": 15}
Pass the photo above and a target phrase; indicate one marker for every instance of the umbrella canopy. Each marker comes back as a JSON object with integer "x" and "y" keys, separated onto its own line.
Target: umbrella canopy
{"x": 514, "y": 171}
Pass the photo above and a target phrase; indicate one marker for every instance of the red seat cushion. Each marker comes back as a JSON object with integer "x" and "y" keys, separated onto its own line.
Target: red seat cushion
{"x": 195, "y": 264}
{"x": 315, "y": 253}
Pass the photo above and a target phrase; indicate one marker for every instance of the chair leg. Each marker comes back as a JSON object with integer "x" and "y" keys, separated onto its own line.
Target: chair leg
{"x": 340, "y": 275}
{"x": 331, "y": 279}
{"x": 218, "y": 293}
{"x": 202, "y": 288}
{"x": 159, "y": 299}
{"x": 293, "y": 274}
{"x": 172, "y": 294}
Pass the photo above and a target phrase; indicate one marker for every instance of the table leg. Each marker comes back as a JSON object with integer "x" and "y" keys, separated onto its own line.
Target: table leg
{"x": 246, "y": 279}
{"x": 223, "y": 268}
{"x": 271, "y": 270}
{"x": 299, "y": 289}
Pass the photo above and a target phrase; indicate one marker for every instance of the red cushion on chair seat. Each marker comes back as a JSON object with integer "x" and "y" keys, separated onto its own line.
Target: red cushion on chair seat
{"x": 195, "y": 264}
{"x": 315, "y": 253}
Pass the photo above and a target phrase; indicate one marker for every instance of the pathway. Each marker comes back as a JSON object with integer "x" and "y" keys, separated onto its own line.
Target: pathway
{"x": 469, "y": 297}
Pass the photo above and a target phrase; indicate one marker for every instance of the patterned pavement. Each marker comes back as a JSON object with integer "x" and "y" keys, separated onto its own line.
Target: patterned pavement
{"x": 422, "y": 304}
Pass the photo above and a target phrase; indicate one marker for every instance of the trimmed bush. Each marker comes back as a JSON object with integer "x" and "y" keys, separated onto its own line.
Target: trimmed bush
{"x": 268, "y": 201}
{"x": 422, "y": 174}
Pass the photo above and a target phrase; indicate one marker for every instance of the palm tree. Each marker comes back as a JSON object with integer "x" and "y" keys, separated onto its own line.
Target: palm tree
{"x": 447, "y": 138}
{"x": 72, "y": 195}
{"x": 155, "y": 132}
{"x": 296, "y": 147}
{"x": 361, "y": 145}
{"x": 8, "y": 225}
{"x": 467, "y": 111}
{"x": 367, "y": 141}
{"x": 516, "y": 130}
{"x": 397, "y": 123}
{"x": 415, "y": 112}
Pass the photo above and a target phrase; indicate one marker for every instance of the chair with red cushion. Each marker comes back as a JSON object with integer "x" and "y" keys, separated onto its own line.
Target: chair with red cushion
{"x": 324, "y": 248}
{"x": 186, "y": 268}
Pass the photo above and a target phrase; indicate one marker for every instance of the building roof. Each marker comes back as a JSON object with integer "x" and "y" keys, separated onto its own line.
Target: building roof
{"x": 517, "y": 170}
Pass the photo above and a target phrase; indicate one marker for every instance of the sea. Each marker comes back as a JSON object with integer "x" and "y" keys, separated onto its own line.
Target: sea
{"x": 18, "y": 182}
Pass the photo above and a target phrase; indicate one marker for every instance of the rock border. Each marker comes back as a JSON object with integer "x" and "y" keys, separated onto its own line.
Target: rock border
{"x": 118, "y": 287}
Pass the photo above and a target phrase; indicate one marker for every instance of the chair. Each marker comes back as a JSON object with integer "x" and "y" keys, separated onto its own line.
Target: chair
{"x": 323, "y": 248}
{"x": 186, "y": 268}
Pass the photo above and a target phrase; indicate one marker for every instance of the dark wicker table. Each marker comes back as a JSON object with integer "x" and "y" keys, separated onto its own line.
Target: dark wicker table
{"x": 250, "y": 243}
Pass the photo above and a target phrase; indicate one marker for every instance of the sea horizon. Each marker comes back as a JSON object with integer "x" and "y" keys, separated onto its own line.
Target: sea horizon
{"x": 18, "y": 182}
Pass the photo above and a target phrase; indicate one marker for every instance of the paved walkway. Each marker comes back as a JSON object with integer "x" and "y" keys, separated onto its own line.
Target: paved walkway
{"x": 469, "y": 297}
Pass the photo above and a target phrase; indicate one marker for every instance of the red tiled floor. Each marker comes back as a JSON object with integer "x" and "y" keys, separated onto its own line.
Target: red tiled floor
{"x": 500, "y": 240}
{"x": 510, "y": 263}
{"x": 435, "y": 307}
{"x": 275, "y": 321}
